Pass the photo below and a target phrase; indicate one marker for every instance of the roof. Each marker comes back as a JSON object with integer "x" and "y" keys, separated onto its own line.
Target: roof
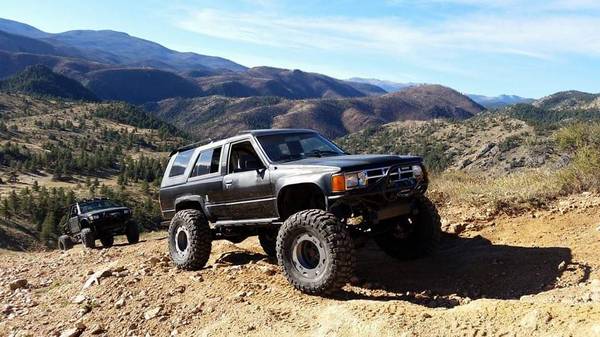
{"x": 263, "y": 132}
{"x": 259, "y": 132}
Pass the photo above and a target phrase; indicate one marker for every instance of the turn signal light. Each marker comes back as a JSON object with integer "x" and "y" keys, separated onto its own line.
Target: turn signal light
{"x": 338, "y": 183}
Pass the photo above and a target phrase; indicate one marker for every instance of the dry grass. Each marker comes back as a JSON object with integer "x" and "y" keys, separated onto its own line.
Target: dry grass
{"x": 508, "y": 193}
{"x": 514, "y": 192}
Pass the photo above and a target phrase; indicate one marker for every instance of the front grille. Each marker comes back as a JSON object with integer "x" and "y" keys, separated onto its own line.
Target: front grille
{"x": 402, "y": 176}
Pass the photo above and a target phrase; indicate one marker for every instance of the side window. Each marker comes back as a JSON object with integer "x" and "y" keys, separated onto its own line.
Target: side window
{"x": 243, "y": 158}
{"x": 180, "y": 163}
{"x": 207, "y": 162}
{"x": 73, "y": 211}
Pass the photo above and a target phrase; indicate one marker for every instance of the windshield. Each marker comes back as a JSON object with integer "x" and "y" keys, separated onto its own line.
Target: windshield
{"x": 96, "y": 205}
{"x": 294, "y": 146}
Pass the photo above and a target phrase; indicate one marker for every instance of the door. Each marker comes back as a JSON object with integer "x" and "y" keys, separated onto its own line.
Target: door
{"x": 247, "y": 191}
{"x": 74, "y": 220}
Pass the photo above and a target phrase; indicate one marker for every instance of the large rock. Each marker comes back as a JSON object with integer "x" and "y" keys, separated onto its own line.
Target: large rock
{"x": 95, "y": 277}
{"x": 150, "y": 314}
{"x": 17, "y": 284}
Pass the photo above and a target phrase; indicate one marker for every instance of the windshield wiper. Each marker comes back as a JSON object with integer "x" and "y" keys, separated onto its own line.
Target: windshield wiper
{"x": 320, "y": 153}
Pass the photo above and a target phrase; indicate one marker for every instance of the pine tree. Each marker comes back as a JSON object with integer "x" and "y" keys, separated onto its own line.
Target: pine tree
{"x": 48, "y": 227}
{"x": 5, "y": 209}
{"x": 13, "y": 202}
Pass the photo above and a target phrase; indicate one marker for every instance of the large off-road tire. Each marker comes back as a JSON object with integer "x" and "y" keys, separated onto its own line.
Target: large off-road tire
{"x": 88, "y": 238}
{"x": 415, "y": 236}
{"x": 107, "y": 240}
{"x": 190, "y": 239}
{"x": 268, "y": 242}
{"x": 132, "y": 232}
{"x": 65, "y": 243}
{"x": 315, "y": 252}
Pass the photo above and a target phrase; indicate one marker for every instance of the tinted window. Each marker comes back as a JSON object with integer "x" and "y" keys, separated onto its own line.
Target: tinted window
{"x": 243, "y": 158}
{"x": 286, "y": 147}
{"x": 180, "y": 163}
{"x": 207, "y": 162}
{"x": 96, "y": 205}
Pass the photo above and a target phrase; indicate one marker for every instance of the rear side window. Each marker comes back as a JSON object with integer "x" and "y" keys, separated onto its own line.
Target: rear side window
{"x": 207, "y": 162}
{"x": 180, "y": 163}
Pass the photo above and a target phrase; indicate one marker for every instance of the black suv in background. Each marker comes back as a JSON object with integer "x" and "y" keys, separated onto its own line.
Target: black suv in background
{"x": 98, "y": 218}
{"x": 310, "y": 203}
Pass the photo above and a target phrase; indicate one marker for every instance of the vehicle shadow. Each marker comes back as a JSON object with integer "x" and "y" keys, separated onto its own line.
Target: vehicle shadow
{"x": 123, "y": 244}
{"x": 236, "y": 258}
{"x": 463, "y": 267}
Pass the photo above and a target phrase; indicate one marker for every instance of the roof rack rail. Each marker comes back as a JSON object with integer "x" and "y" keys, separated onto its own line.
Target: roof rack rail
{"x": 190, "y": 146}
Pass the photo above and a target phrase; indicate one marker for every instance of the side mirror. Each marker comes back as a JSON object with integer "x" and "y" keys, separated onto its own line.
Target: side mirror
{"x": 253, "y": 164}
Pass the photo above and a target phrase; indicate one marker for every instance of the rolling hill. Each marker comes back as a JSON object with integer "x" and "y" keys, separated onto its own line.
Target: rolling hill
{"x": 40, "y": 80}
{"x": 217, "y": 117}
{"x": 139, "y": 85}
{"x": 569, "y": 100}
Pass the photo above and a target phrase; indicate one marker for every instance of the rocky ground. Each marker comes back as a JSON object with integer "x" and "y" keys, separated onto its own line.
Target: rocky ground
{"x": 536, "y": 274}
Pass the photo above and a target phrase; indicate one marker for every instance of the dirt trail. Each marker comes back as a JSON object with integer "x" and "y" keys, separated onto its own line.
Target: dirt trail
{"x": 521, "y": 276}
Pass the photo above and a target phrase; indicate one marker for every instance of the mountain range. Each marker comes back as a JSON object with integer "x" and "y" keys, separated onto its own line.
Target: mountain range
{"x": 489, "y": 102}
{"x": 117, "y": 66}
{"x": 212, "y": 97}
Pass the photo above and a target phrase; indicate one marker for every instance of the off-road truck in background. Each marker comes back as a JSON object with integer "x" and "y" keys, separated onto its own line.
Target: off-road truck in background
{"x": 309, "y": 202}
{"x": 98, "y": 218}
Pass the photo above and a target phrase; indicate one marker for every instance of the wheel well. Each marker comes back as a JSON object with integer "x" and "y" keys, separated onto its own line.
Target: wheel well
{"x": 295, "y": 198}
{"x": 188, "y": 204}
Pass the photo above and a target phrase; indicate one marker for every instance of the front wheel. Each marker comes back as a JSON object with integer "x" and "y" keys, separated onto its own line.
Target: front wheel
{"x": 414, "y": 236}
{"x": 65, "y": 243}
{"x": 190, "y": 240}
{"x": 315, "y": 252}
{"x": 88, "y": 238}
{"x": 132, "y": 232}
{"x": 107, "y": 240}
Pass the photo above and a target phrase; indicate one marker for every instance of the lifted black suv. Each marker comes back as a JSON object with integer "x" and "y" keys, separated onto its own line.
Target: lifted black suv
{"x": 98, "y": 218}
{"x": 309, "y": 202}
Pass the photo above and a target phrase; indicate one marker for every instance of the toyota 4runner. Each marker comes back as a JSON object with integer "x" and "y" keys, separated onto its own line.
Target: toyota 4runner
{"x": 310, "y": 203}
{"x": 98, "y": 218}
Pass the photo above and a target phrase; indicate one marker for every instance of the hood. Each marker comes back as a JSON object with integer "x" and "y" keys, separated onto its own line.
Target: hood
{"x": 105, "y": 210}
{"x": 356, "y": 162}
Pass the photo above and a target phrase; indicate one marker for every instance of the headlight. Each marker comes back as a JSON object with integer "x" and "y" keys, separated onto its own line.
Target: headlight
{"x": 345, "y": 181}
{"x": 94, "y": 217}
{"x": 419, "y": 172}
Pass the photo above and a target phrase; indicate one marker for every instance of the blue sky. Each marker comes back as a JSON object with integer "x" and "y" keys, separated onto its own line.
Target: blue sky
{"x": 530, "y": 48}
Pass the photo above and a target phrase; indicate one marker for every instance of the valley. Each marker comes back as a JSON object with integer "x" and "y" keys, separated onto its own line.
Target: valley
{"x": 516, "y": 181}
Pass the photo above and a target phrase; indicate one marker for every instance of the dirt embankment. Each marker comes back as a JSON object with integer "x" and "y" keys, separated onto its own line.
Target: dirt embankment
{"x": 532, "y": 275}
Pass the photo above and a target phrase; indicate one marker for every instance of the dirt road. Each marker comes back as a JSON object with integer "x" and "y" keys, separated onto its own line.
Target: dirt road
{"x": 520, "y": 276}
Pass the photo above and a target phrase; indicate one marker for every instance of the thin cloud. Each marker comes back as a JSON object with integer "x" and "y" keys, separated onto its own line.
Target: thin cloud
{"x": 543, "y": 37}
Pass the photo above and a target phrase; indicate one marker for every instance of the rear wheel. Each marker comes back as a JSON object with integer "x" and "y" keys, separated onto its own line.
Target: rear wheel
{"x": 65, "y": 242}
{"x": 88, "y": 238}
{"x": 414, "y": 236}
{"x": 315, "y": 252}
{"x": 132, "y": 232}
{"x": 268, "y": 242}
{"x": 107, "y": 240}
{"x": 190, "y": 239}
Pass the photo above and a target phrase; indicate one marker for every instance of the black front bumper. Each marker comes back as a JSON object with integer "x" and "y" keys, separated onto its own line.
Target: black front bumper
{"x": 381, "y": 200}
{"x": 115, "y": 226}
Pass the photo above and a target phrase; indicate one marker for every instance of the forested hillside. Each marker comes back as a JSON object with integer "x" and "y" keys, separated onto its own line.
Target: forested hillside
{"x": 53, "y": 151}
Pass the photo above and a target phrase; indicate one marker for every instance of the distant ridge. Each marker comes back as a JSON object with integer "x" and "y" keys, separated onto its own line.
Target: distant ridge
{"x": 40, "y": 80}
